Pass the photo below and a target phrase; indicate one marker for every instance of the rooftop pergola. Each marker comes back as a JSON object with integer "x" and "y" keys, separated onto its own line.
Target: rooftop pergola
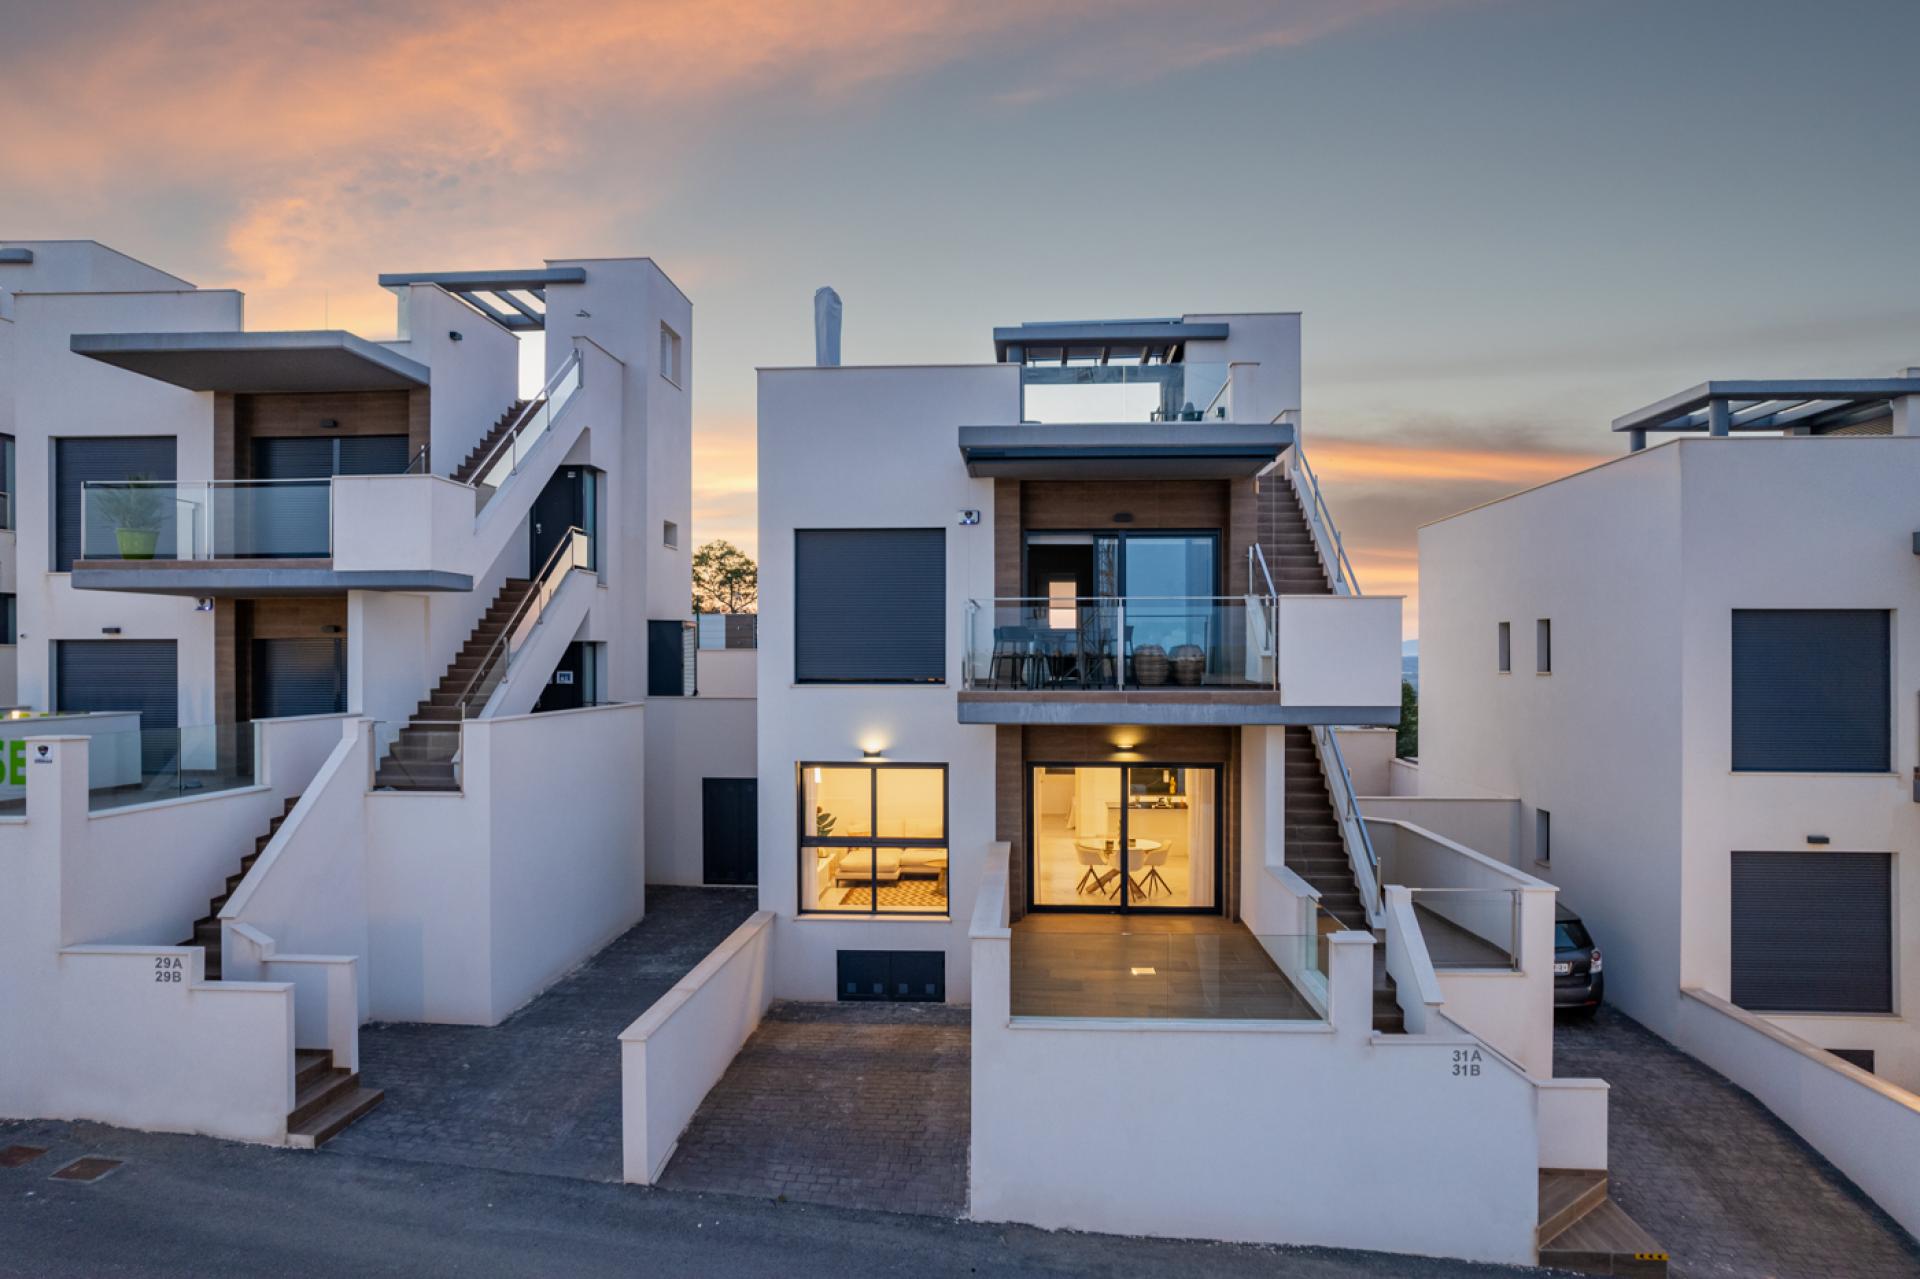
{"x": 515, "y": 300}
{"x": 1101, "y": 341}
{"x": 1816, "y": 406}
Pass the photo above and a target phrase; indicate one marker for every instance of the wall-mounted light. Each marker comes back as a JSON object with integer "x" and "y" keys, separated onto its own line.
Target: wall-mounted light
{"x": 332, "y": 629}
{"x": 109, "y": 630}
{"x": 1818, "y": 839}
{"x": 872, "y": 752}
{"x": 329, "y": 423}
{"x": 204, "y": 604}
{"x": 969, "y": 518}
{"x": 455, "y": 335}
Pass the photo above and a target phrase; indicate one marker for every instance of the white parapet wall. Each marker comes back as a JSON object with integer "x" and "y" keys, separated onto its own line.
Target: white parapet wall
{"x": 692, "y": 739}
{"x": 1339, "y": 651}
{"x": 676, "y": 1051}
{"x": 463, "y": 906}
{"x": 1488, "y": 826}
{"x": 1868, "y": 1127}
{"x": 1309, "y": 1132}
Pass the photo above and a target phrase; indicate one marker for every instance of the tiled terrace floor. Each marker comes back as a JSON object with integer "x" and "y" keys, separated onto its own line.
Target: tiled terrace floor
{"x": 1174, "y": 966}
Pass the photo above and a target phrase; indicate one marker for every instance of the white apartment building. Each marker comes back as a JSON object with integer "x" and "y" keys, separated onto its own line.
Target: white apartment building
{"x": 1053, "y": 648}
{"x": 343, "y": 662}
{"x": 1694, "y": 668}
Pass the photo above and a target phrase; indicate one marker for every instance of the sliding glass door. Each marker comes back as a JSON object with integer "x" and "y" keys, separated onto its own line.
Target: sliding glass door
{"x": 1124, "y": 837}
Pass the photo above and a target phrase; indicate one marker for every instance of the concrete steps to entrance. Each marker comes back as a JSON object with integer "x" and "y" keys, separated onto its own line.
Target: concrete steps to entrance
{"x": 1584, "y": 1231}
{"x": 326, "y": 1099}
{"x": 421, "y": 757}
{"x": 206, "y": 929}
{"x": 469, "y": 467}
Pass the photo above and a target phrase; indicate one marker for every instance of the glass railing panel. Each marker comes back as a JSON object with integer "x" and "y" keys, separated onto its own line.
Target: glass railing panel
{"x": 140, "y": 766}
{"x": 1053, "y": 393}
{"x": 1079, "y": 968}
{"x": 416, "y": 755}
{"x": 222, "y": 519}
{"x": 1469, "y": 927}
{"x": 1039, "y": 643}
{"x": 527, "y": 433}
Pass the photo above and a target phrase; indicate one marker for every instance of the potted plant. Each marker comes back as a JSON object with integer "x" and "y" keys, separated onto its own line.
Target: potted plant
{"x": 135, "y": 509}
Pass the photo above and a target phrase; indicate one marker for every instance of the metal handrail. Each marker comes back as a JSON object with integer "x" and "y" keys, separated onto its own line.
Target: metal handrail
{"x": 1256, "y": 556}
{"x": 1344, "y": 581}
{"x": 536, "y": 406}
{"x": 562, "y": 561}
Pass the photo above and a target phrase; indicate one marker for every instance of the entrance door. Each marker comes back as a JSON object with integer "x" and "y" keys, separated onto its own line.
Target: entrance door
{"x": 1124, "y": 837}
{"x": 730, "y": 830}
{"x": 561, "y": 506}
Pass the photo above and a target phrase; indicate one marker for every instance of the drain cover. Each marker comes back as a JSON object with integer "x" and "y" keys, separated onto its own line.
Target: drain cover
{"x": 14, "y": 1156}
{"x": 91, "y": 1168}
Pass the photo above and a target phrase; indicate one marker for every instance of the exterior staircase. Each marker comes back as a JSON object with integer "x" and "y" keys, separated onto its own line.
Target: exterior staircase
{"x": 1316, "y": 852}
{"x": 206, "y": 929}
{"x": 469, "y": 467}
{"x": 1584, "y": 1231}
{"x": 1280, "y": 525}
{"x": 421, "y": 757}
{"x": 326, "y": 1098}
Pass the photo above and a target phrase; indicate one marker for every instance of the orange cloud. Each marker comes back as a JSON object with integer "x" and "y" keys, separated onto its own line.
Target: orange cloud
{"x": 1352, "y": 460}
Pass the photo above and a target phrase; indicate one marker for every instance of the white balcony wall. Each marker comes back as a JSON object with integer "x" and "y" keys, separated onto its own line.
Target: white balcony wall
{"x": 1271, "y": 341}
{"x": 704, "y": 736}
{"x": 871, "y": 448}
{"x": 475, "y": 376}
{"x": 1339, "y": 651}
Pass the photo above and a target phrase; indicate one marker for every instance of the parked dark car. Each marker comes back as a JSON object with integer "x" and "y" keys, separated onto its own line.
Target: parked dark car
{"x": 1577, "y": 981}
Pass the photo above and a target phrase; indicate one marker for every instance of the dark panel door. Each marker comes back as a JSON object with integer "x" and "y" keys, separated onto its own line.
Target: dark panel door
{"x": 120, "y": 457}
{"x": 666, "y": 659}
{"x": 299, "y": 677}
{"x": 560, "y": 506}
{"x": 566, "y": 688}
{"x": 1813, "y": 932}
{"x": 730, "y": 830}
{"x": 124, "y": 675}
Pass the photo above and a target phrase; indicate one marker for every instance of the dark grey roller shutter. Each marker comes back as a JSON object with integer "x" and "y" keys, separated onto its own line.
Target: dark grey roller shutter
{"x": 124, "y": 675}
{"x": 870, "y": 606}
{"x": 108, "y": 457}
{"x": 299, "y": 677}
{"x": 1812, "y": 691}
{"x": 373, "y": 454}
{"x": 289, "y": 515}
{"x": 1813, "y": 932}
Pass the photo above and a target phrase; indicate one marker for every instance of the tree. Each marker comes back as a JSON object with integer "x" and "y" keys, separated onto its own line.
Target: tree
{"x": 724, "y": 579}
{"x": 1407, "y": 743}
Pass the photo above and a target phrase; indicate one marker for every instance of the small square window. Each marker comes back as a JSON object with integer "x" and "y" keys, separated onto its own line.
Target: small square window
{"x": 670, "y": 534}
{"x": 1506, "y": 646}
{"x": 1543, "y": 836}
{"x": 1543, "y": 646}
{"x": 669, "y": 355}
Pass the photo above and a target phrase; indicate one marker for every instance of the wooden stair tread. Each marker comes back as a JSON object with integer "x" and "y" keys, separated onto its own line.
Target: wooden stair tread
{"x": 1566, "y": 1195}
{"x": 1605, "y": 1241}
{"x": 316, "y": 1129}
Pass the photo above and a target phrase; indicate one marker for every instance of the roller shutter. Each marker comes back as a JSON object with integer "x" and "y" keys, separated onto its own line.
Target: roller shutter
{"x": 1812, "y": 691}
{"x": 870, "y": 606}
{"x": 299, "y": 677}
{"x": 106, "y": 457}
{"x": 1813, "y": 932}
{"x": 124, "y": 675}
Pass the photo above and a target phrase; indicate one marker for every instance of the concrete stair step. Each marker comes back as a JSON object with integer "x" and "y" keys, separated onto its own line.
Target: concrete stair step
{"x": 318, "y": 1128}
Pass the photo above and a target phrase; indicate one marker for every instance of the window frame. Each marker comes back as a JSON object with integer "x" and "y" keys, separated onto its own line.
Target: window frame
{"x": 1542, "y": 836}
{"x": 670, "y": 534}
{"x": 1543, "y": 646}
{"x": 873, "y": 841}
{"x": 1887, "y": 763}
{"x": 941, "y": 628}
{"x": 670, "y": 354}
{"x": 1504, "y": 651}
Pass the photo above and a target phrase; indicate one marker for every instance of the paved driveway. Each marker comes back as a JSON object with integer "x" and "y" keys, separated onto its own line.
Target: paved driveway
{"x": 853, "y": 1105}
{"x": 1727, "y": 1188}
{"x": 540, "y": 1092}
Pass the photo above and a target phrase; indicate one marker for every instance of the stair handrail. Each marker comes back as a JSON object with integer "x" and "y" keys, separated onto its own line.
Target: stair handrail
{"x": 1258, "y": 557}
{"x": 1320, "y": 521}
{"x": 539, "y": 414}
{"x": 1353, "y": 826}
{"x": 573, "y": 551}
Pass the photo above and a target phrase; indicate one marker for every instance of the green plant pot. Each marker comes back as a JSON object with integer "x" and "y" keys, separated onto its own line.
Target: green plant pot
{"x": 136, "y": 543}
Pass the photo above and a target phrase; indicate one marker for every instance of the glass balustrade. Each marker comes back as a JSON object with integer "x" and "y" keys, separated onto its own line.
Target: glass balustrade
{"x": 206, "y": 520}
{"x": 532, "y": 427}
{"x": 1091, "y": 392}
{"x": 140, "y": 766}
{"x": 1075, "y": 643}
{"x": 1469, "y": 927}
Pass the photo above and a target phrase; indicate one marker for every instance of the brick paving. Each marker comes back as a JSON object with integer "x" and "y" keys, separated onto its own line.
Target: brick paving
{"x": 1707, "y": 1170}
{"x": 852, "y": 1105}
{"x": 540, "y": 1092}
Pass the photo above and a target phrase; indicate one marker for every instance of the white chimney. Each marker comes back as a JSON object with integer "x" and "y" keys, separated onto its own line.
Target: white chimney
{"x": 826, "y": 328}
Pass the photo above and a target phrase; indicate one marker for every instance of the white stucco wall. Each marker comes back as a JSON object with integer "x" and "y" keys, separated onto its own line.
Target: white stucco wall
{"x": 690, "y": 739}
{"x": 901, "y": 424}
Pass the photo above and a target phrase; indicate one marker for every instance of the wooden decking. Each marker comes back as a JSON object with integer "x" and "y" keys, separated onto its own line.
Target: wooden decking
{"x": 1169, "y": 967}
{"x": 1582, "y": 1230}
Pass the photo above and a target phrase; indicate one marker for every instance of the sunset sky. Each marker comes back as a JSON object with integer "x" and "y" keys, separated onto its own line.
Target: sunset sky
{"x": 1506, "y": 221}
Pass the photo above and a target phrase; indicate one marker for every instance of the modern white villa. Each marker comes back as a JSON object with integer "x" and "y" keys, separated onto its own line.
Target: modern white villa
{"x": 329, "y": 648}
{"x": 1060, "y": 666}
{"x": 1693, "y": 671}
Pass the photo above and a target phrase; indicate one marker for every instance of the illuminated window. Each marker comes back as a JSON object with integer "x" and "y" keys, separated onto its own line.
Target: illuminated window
{"x": 1062, "y": 596}
{"x": 873, "y": 839}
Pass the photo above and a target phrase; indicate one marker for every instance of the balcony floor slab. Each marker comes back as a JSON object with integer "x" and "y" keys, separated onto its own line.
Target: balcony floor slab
{"x": 1157, "y": 706}
{"x": 253, "y": 578}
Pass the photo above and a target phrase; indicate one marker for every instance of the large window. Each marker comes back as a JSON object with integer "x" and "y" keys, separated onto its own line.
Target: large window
{"x": 1813, "y": 932}
{"x": 870, "y": 606}
{"x": 1124, "y": 837}
{"x": 1812, "y": 691}
{"x": 873, "y": 839}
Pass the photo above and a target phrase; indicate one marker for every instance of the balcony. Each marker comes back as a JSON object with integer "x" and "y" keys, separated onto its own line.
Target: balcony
{"x": 1288, "y": 659}
{"x": 222, "y": 537}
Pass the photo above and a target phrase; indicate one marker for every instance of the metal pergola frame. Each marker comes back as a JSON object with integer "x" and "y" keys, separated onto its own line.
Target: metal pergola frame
{"x": 1811, "y": 406}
